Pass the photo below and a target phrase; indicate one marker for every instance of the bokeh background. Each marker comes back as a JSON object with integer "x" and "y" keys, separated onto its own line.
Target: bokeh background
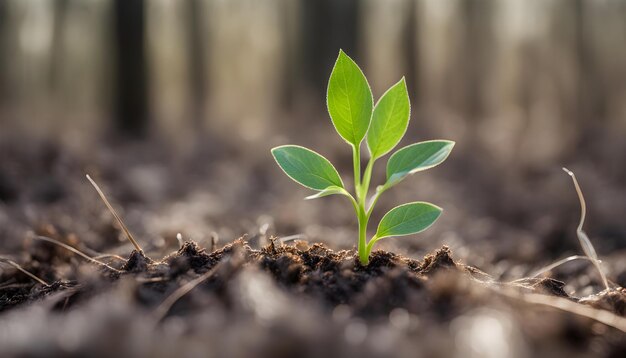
{"x": 173, "y": 106}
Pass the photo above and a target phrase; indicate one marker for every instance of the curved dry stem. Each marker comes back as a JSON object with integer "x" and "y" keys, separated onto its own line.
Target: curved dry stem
{"x": 76, "y": 251}
{"x": 285, "y": 239}
{"x": 583, "y": 205}
{"x": 563, "y": 304}
{"x": 559, "y": 263}
{"x": 582, "y": 236}
{"x": 24, "y": 271}
{"x": 117, "y": 217}
{"x": 104, "y": 256}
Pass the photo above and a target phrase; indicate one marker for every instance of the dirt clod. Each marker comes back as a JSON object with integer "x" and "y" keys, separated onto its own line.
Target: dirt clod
{"x": 613, "y": 300}
{"x": 440, "y": 260}
{"x": 137, "y": 262}
{"x": 550, "y": 286}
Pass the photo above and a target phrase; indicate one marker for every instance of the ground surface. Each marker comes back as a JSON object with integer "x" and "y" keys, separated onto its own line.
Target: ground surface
{"x": 295, "y": 300}
{"x": 217, "y": 295}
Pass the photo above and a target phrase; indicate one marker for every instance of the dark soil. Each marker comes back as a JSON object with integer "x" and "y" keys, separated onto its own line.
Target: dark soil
{"x": 258, "y": 297}
{"x": 391, "y": 291}
{"x": 335, "y": 278}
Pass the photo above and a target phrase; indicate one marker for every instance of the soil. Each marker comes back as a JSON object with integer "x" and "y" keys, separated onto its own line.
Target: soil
{"x": 278, "y": 285}
{"x": 223, "y": 296}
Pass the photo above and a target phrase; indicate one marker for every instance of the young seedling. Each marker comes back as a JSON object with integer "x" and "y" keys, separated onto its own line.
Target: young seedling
{"x": 355, "y": 117}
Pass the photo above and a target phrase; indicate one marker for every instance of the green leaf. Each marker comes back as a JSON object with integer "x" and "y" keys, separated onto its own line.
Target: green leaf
{"x": 416, "y": 157}
{"x": 349, "y": 100}
{"x": 407, "y": 219}
{"x": 389, "y": 121}
{"x": 307, "y": 167}
{"x": 331, "y": 190}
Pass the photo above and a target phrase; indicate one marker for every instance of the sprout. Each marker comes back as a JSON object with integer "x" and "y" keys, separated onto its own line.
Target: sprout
{"x": 355, "y": 117}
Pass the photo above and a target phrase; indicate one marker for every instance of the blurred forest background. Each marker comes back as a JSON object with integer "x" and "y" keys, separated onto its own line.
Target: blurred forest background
{"x": 524, "y": 87}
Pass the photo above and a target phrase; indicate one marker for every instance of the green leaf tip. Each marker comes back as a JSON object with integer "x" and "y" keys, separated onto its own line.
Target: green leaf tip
{"x": 306, "y": 167}
{"x": 415, "y": 158}
{"x": 390, "y": 120}
{"x": 349, "y": 100}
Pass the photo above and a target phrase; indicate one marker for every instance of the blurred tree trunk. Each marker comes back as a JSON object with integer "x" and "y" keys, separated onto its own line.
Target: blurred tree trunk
{"x": 476, "y": 43}
{"x": 56, "y": 48}
{"x": 197, "y": 58}
{"x": 4, "y": 29}
{"x": 591, "y": 103}
{"x": 327, "y": 26}
{"x": 131, "y": 107}
{"x": 387, "y": 43}
{"x": 475, "y": 59}
{"x": 410, "y": 37}
{"x": 289, "y": 24}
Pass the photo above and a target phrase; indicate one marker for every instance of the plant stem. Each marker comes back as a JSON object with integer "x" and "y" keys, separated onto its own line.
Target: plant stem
{"x": 373, "y": 202}
{"x": 370, "y": 246}
{"x": 359, "y": 208}
{"x": 365, "y": 185}
{"x": 356, "y": 156}
{"x": 363, "y": 253}
{"x": 363, "y": 214}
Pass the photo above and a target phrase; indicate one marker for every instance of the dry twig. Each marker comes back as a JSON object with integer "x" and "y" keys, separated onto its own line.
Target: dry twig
{"x": 21, "y": 269}
{"x": 117, "y": 217}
